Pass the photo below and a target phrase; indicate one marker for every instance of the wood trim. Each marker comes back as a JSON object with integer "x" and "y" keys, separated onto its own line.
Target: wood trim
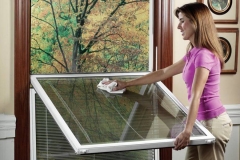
{"x": 234, "y": 48}
{"x": 233, "y": 111}
{"x": 163, "y": 41}
{"x": 22, "y": 79}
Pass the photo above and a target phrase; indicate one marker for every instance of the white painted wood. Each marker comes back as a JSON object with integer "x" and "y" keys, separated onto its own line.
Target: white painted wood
{"x": 7, "y": 126}
{"x": 7, "y": 149}
{"x": 232, "y": 150}
{"x": 7, "y": 134}
{"x": 234, "y": 113}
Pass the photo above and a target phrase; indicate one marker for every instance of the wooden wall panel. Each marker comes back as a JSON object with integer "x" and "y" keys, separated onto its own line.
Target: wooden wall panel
{"x": 163, "y": 36}
{"x": 163, "y": 48}
{"x": 22, "y": 79}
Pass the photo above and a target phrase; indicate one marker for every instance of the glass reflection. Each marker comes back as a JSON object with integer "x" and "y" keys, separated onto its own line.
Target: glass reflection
{"x": 95, "y": 116}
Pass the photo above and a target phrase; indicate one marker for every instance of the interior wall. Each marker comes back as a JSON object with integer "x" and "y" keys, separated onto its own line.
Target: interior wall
{"x": 229, "y": 90}
{"x": 7, "y": 57}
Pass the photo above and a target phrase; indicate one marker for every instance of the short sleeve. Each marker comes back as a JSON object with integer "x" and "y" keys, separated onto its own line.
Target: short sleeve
{"x": 185, "y": 58}
{"x": 205, "y": 59}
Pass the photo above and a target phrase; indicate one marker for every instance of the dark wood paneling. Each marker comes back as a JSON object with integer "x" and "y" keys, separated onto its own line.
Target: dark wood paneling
{"x": 163, "y": 41}
{"x": 21, "y": 79}
{"x": 163, "y": 36}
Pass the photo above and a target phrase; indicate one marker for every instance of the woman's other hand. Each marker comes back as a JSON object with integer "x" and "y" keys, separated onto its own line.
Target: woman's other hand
{"x": 182, "y": 140}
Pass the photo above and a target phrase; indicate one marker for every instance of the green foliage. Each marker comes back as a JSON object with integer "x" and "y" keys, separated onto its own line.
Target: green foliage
{"x": 102, "y": 36}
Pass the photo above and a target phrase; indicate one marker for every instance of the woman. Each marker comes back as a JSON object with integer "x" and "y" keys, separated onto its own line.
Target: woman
{"x": 200, "y": 67}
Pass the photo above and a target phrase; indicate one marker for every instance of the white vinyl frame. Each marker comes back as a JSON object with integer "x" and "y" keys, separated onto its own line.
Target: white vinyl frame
{"x": 32, "y": 125}
{"x": 151, "y": 25}
{"x": 110, "y": 147}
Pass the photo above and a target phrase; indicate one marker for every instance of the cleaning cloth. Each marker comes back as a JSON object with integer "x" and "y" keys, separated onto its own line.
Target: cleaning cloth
{"x": 109, "y": 87}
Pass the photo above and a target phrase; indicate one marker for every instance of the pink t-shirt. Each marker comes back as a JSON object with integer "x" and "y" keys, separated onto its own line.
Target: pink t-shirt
{"x": 210, "y": 104}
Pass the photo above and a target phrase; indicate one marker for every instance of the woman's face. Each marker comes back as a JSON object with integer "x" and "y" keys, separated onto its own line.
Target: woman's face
{"x": 186, "y": 28}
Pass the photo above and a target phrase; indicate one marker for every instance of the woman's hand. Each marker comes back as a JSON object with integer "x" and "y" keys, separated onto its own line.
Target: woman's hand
{"x": 182, "y": 140}
{"x": 120, "y": 84}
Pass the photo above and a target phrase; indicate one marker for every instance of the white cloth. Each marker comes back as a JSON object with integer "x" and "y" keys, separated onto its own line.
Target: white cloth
{"x": 109, "y": 87}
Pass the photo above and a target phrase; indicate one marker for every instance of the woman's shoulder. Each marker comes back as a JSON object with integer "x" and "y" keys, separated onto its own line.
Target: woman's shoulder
{"x": 203, "y": 52}
{"x": 205, "y": 58}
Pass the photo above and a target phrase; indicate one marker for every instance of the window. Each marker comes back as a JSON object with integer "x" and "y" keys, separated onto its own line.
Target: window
{"x": 95, "y": 121}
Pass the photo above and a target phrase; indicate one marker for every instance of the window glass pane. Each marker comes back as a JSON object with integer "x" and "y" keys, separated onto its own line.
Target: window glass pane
{"x": 95, "y": 116}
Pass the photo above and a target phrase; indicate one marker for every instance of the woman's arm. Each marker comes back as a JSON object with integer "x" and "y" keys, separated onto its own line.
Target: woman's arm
{"x": 199, "y": 81}
{"x": 155, "y": 76}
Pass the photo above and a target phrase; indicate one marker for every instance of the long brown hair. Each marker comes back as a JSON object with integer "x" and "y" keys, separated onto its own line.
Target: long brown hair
{"x": 206, "y": 32}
